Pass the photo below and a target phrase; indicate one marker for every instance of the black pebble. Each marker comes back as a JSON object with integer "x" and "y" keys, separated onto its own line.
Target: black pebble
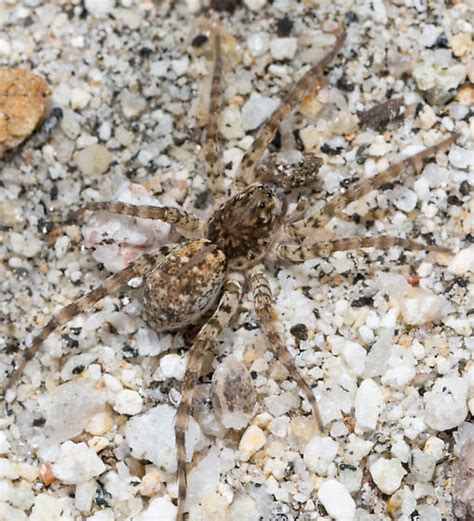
{"x": 284, "y": 26}
{"x": 199, "y": 40}
{"x": 299, "y": 331}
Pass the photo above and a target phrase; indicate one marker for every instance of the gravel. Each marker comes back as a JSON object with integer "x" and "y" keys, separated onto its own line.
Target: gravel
{"x": 387, "y": 474}
{"x": 387, "y": 344}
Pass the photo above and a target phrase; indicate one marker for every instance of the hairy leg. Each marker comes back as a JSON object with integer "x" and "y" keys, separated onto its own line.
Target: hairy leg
{"x": 212, "y": 148}
{"x": 174, "y": 216}
{"x": 266, "y": 134}
{"x": 265, "y": 312}
{"x": 204, "y": 340}
{"x": 299, "y": 211}
{"x": 139, "y": 268}
{"x": 360, "y": 188}
{"x": 300, "y": 253}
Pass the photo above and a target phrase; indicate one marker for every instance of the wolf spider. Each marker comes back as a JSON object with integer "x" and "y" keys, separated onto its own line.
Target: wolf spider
{"x": 181, "y": 283}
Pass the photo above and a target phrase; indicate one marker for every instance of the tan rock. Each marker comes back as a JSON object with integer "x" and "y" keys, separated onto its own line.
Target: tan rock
{"x": 252, "y": 440}
{"x": 99, "y": 424}
{"x": 46, "y": 474}
{"x": 22, "y": 101}
{"x": 461, "y": 44}
{"x": 93, "y": 160}
{"x": 151, "y": 482}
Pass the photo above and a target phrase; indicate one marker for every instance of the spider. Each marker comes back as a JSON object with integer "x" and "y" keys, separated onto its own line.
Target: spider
{"x": 182, "y": 283}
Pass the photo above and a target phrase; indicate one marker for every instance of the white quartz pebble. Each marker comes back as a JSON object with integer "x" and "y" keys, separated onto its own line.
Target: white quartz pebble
{"x": 356, "y": 449}
{"x": 99, "y": 8}
{"x": 461, "y": 157}
{"x": 171, "y": 366}
{"x": 419, "y": 306}
{"x": 128, "y": 402}
{"x": 159, "y": 509}
{"x": 319, "y": 454}
{"x": 368, "y": 405}
{"x": 11, "y": 513}
{"x": 150, "y": 344}
{"x": 180, "y": 67}
{"x": 337, "y": 501}
{"x": 230, "y": 123}
{"x": 283, "y": 48}
{"x": 77, "y": 463}
{"x": 258, "y": 43}
{"x": 354, "y": 355}
{"x": 50, "y": 508}
{"x": 85, "y": 493}
{"x": 80, "y": 98}
{"x": 432, "y": 80}
{"x": 93, "y": 160}
{"x": 445, "y": 404}
{"x": 4, "y": 443}
{"x": 462, "y": 262}
{"x": 255, "y": 5}
{"x": 151, "y": 436}
{"x": 403, "y": 198}
{"x": 387, "y": 474}
{"x": 256, "y": 110}
{"x": 64, "y": 419}
{"x": 435, "y": 447}
{"x": 27, "y": 246}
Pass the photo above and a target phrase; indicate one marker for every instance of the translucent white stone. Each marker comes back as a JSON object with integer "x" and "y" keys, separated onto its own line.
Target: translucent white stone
{"x": 387, "y": 474}
{"x": 337, "y": 500}
{"x": 151, "y": 436}
{"x": 368, "y": 405}
{"x": 446, "y": 403}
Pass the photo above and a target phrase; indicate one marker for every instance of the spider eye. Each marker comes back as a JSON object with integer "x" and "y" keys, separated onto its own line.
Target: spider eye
{"x": 269, "y": 195}
{"x": 261, "y": 205}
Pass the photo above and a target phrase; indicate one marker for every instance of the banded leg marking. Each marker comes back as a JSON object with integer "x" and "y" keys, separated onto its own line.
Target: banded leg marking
{"x": 360, "y": 188}
{"x": 219, "y": 320}
{"x": 212, "y": 145}
{"x": 294, "y": 97}
{"x": 139, "y": 268}
{"x": 264, "y": 308}
{"x": 174, "y": 216}
{"x": 300, "y": 253}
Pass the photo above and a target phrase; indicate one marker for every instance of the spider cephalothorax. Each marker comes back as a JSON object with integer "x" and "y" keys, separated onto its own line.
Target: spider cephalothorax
{"x": 183, "y": 282}
{"x": 243, "y": 227}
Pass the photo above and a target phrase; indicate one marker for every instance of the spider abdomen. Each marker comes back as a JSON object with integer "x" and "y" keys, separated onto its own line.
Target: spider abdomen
{"x": 184, "y": 285}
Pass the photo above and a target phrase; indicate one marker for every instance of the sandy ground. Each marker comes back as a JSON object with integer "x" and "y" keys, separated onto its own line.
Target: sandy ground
{"x": 383, "y": 337}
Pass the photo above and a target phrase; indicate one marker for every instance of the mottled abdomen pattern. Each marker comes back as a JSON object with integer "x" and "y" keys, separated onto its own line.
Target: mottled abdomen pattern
{"x": 184, "y": 285}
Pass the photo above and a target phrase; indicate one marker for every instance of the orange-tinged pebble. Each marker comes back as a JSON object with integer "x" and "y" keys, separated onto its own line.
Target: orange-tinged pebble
{"x": 413, "y": 280}
{"x": 46, "y": 474}
{"x": 252, "y": 440}
{"x": 23, "y": 98}
{"x": 466, "y": 96}
{"x": 462, "y": 44}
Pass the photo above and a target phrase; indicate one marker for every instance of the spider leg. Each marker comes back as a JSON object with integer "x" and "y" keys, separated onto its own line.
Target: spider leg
{"x": 212, "y": 146}
{"x": 360, "y": 188}
{"x": 300, "y": 253}
{"x": 204, "y": 340}
{"x": 266, "y": 134}
{"x": 175, "y": 216}
{"x": 298, "y": 212}
{"x": 266, "y": 313}
{"x": 139, "y": 268}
